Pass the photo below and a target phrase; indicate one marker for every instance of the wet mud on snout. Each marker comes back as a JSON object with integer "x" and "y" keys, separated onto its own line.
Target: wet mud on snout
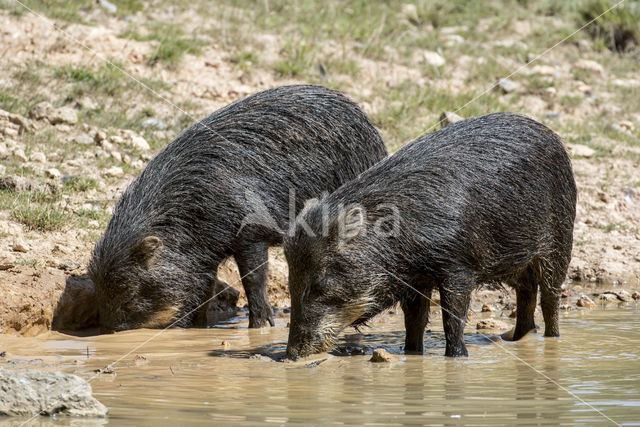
{"x": 235, "y": 375}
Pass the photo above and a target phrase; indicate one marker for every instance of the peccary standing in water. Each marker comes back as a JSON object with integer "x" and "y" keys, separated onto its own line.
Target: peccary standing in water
{"x": 486, "y": 200}
{"x": 226, "y": 186}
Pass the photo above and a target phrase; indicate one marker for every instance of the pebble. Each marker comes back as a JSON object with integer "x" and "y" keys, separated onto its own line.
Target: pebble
{"x": 19, "y": 246}
{"x": 586, "y": 302}
{"x": 4, "y": 151}
{"x": 410, "y": 13}
{"x": 448, "y": 117}
{"x": 116, "y": 155}
{"x": 100, "y": 136}
{"x": 626, "y": 125}
{"x": 155, "y": 122}
{"x": 115, "y": 171}
{"x": 589, "y": 65}
{"x": 507, "y": 85}
{"x": 543, "y": 70}
{"x": 83, "y": 139}
{"x": 486, "y": 308}
{"x": 63, "y": 115}
{"x": 19, "y": 155}
{"x": 52, "y": 173}
{"x": 433, "y": 58}
{"x": 380, "y": 355}
{"x": 492, "y": 324}
{"x": 38, "y": 157}
{"x": 94, "y": 223}
{"x": 636, "y": 296}
{"x": 579, "y": 150}
{"x": 139, "y": 143}
{"x": 137, "y": 164}
{"x": 86, "y": 103}
{"x": 621, "y": 294}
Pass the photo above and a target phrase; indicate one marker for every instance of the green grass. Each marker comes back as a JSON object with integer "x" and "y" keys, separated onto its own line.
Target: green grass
{"x": 35, "y": 210}
{"x": 79, "y": 184}
{"x": 172, "y": 43}
{"x": 72, "y": 11}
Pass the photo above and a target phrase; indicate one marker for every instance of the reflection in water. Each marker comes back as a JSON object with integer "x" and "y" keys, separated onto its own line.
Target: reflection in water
{"x": 190, "y": 377}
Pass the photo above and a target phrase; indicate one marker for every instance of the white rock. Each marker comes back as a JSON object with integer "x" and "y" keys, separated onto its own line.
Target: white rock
{"x": 38, "y": 157}
{"x": 63, "y": 115}
{"x": 139, "y": 143}
{"x": 589, "y": 65}
{"x": 52, "y": 173}
{"x": 4, "y": 151}
{"x": 543, "y": 70}
{"x": 94, "y": 223}
{"x": 507, "y": 85}
{"x": 410, "y": 12}
{"x": 20, "y": 246}
{"x": 448, "y": 117}
{"x": 19, "y": 155}
{"x": 115, "y": 171}
{"x": 579, "y": 150}
{"x": 83, "y": 139}
{"x": 433, "y": 58}
{"x": 116, "y": 155}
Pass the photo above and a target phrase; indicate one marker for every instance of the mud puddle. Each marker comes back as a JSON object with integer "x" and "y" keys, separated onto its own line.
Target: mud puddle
{"x": 230, "y": 375}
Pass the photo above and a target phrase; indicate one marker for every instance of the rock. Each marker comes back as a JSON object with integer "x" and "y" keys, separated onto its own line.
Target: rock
{"x": 586, "y": 302}
{"x": 77, "y": 307}
{"x": 155, "y": 122}
{"x": 380, "y": 355}
{"x": 507, "y": 85}
{"x": 116, "y": 155}
{"x": 492, "y": 324}
{"x": 126, "y": 159}
{"x": 19, "y": 246}
{"x": 579, "y": 150}
{"x": 115, "y": 171}
{"x": 4, "y": 151}
{"x": 86, "y": 103}
{"x": 589, "y": 65}
{"x": 44, "y": 110}
{"x": 636, "y": 296}
{"x": 29, "y": 392}
{"x": 83, "y": 139}
{"x": 410, "y": 13}
{"x": 261, "y": 358}
{"x": 552, "y": 115}
{"x": 38, "y": 157}
{"x": 433, "y": 58}
{"x": 20, "y": 156}
{"x": 448, "y": 117}
{"x": 117, "y": 139}
{"x": 627, "y": 125}
{"x": 108, "y": 6}
{"x": 566, "y": 307}
{"x": 22, "y": 123}
{"x": 486, "y": 308}
{"x": 137, "y": 164}
{"x": 100, "y": 136}
{"x": 41, "y": 110}
{"x": 139, "y": 143}
{"x": 543, "y": 70}
{"x": 52, "y": 173}
{"x": 93, "y": 223}
{"x": 621, "y": 294}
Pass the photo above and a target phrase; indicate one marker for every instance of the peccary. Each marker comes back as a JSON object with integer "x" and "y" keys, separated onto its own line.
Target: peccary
{"x": 486, "y": 200}
{"x": 226, "y": 186}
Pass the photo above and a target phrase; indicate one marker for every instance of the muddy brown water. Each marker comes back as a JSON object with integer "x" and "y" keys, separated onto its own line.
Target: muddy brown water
{"x": 229, "y": 375}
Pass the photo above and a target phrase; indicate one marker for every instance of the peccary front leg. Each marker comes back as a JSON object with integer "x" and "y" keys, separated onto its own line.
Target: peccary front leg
{"x": 455, "y": 296}
{"x": 254, "y": 270}
{"x": 526, "y": 295}
{"x": 416, "y": 317}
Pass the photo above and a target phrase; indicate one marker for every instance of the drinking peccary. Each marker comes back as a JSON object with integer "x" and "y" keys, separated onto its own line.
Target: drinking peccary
{"x": 225, "y": 186}
{"x": 486, "y": 200}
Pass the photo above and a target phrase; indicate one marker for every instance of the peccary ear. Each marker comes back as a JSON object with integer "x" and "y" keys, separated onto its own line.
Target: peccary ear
{"x": 352, "y": 224}
{"x": 146, "y": 248}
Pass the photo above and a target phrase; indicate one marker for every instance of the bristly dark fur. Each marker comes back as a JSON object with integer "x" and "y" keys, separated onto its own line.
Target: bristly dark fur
{"x": 192, "y": 196}
{"x": 486, "y": 200}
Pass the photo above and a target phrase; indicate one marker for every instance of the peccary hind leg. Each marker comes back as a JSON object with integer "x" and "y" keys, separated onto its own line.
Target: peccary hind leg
{"x": 252, "y": 263}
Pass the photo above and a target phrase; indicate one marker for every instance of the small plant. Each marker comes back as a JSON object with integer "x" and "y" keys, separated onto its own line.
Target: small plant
{"x": 79, "y": 184}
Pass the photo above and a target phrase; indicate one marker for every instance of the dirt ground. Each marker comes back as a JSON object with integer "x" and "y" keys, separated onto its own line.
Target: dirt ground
{"x": 91, "y": 130}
